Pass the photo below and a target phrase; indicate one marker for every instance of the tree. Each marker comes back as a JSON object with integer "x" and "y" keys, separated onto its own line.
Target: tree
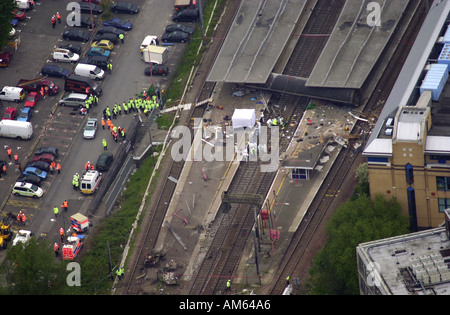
{"x": 334, "y": 268}
{"x": 6, "y": 9}
{"x": 31, "y": 268}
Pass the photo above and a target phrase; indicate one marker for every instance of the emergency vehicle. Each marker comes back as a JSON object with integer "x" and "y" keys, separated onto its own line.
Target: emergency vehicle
{"x": 72, "y": 248}
{"x": 90, "y": 182}
{"x": 80, "y": 223}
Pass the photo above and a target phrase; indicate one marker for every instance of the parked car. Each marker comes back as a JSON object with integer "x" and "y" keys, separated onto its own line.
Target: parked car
{"x": 108, "y": 36}
{"x": 32, "y": 99}
{"x": 19, "y": 15}
{"x": 36, "y": 86}
{"x": 27, "y": 189}
{"x": 119, "y": 23}
{"x": 55, "y": 71}
{"x": 32, "y": 179}
{"x": 85, "y": 21}
{"x": 43, "y": 166}
{"x": 179, "y": 27}
{"x": 110, "y": 29}
{"x": 49, "y": 149}
{"x": 104, "y": 161}
{"x": 64, "y": 55}
{"x": 35, "y": 171}
{"x": 25, "y": 114}
{"x": 76, "y": 34}
{"x": 46, "y": 157}
{"x": 86, "y": 7}
{"x": 176, "y": 36}
{"x": 105, "y": 44}
{"x": 188, "y": 15}
{"x": 5, "y": 59}
{"x": 75, "y": 48}
{"x": 10, "y": 113}
{"x": 90, "y": 128}
{"x": 95, "y": 51}
{"x": 157, "y": 70}
{"x": 99, "y": 61}
{"x": 124, "y": 7}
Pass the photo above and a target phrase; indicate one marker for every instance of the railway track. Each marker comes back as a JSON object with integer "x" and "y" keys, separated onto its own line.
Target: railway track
{"x": 310, "y": 234}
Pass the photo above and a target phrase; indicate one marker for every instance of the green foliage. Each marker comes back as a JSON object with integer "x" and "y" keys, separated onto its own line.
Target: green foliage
{"x": 334, "y": 268}
{"x": 31, "y": 269}
{"x": 6, "y": 9}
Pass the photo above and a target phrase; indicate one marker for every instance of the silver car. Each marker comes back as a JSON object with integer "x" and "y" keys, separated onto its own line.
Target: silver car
{"x": 90, "y": 129}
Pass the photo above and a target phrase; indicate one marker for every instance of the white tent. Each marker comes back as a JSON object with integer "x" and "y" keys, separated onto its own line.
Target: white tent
{"x": 243, "y": 118}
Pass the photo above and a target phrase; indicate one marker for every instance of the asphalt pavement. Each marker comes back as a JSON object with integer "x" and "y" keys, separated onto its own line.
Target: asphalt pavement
{"x": 62, "y": 126}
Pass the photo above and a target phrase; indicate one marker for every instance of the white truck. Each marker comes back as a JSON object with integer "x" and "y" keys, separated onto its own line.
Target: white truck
{"x": 16, "y": 129}
{"x": 155, "y": 54}
{"x": 23, "y": 236}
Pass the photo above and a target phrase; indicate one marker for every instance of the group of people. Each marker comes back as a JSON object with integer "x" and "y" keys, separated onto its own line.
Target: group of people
{"x": 54, "y": 18}
{"x": 91, "y": 100}
{"x": 133, "y": 105}
{"x": 76, "y": 181}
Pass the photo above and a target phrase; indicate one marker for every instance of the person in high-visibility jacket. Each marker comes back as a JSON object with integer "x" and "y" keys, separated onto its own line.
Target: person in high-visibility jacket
{"x": 228, "y": 285}
{"x": 56, "y": 211}
{"x": 105, "y": 145}
{"x": 56, "y": 249}
{"x": 65, "y": 205}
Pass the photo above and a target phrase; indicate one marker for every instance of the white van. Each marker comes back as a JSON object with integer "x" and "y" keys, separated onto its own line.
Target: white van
{"x": 89, "y": 71}
{"x": 64, "y": 55}
{"x": 13, "y": 94}
{"x": 24, "y": 4}
{"x": 90, "y": 182}
{"x": 27, "y": 190}
{"x": 16, "y": 129}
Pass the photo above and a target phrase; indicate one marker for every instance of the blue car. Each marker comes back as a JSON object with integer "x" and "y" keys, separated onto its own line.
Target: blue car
{"x": 119, "y": 23}
{"x": 35, "y": 171}
{"x": 95, "y": 51}
{"x": 25, "y": 114}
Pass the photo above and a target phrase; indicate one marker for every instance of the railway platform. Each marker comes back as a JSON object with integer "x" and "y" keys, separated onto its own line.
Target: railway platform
{"x": 190, "y": 220}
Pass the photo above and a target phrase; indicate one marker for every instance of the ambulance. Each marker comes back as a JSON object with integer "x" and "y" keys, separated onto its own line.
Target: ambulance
{"x": 90, "y": 182}
{"x": 72, "y": 247}
{"x": 80, "y": 223}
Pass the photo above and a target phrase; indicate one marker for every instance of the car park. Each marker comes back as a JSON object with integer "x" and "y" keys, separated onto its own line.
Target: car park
{"x": 188, "y": 15}
{"x": 75, "y": 48}
{"x": 108, "y": 36}
{"x": 124, "y": 7}
{"x": 46, "y": 157}
{"x": 99, "y": 61}
{"x": 43, "y": 166}
{"x": 35, "y": 171}
{"x": 157, "y": 70}
{"x": 179, "y": 27}
{"x": 176, "y": 36}
{"x": 110, "y": 30}
{"x": 55, "y": 71}
{"x": 31, "y": 99}
{"x": 32, "y": 179}
{"x": 76, "y": 34}
{"x": 90, "y": 128}
{"x": 86, "y": 7}
{"x": 95, "y": 51}
{"x": 104, "y": 161}
{"x": 10, "y": 113}
{"x": 105, "y": 44}
{"x": 27, "y": 190}
{"x": 49, "y": 150}
{"x": 119, "y": 23}
{"x": 12, "y": 94}
{"x": 25, "y": 114}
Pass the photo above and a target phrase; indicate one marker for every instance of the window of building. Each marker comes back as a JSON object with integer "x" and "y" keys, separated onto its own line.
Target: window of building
{"x": 299, "y": 173}
{"x": 443, "y": 183}
{"x": 409, "y": 171}
{"x": 443, "y": 203}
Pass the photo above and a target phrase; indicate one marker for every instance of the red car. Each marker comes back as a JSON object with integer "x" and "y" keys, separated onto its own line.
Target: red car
{"x": 10, "y": 113}
{"x": 31, "y": 99}
{"x": 20, "y": 15}
{"x": 46, "y": 157}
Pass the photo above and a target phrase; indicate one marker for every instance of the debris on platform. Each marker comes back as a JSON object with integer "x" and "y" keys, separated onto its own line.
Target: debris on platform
{"x": 169, "y": 278}
{"x": 153, "y": 259}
